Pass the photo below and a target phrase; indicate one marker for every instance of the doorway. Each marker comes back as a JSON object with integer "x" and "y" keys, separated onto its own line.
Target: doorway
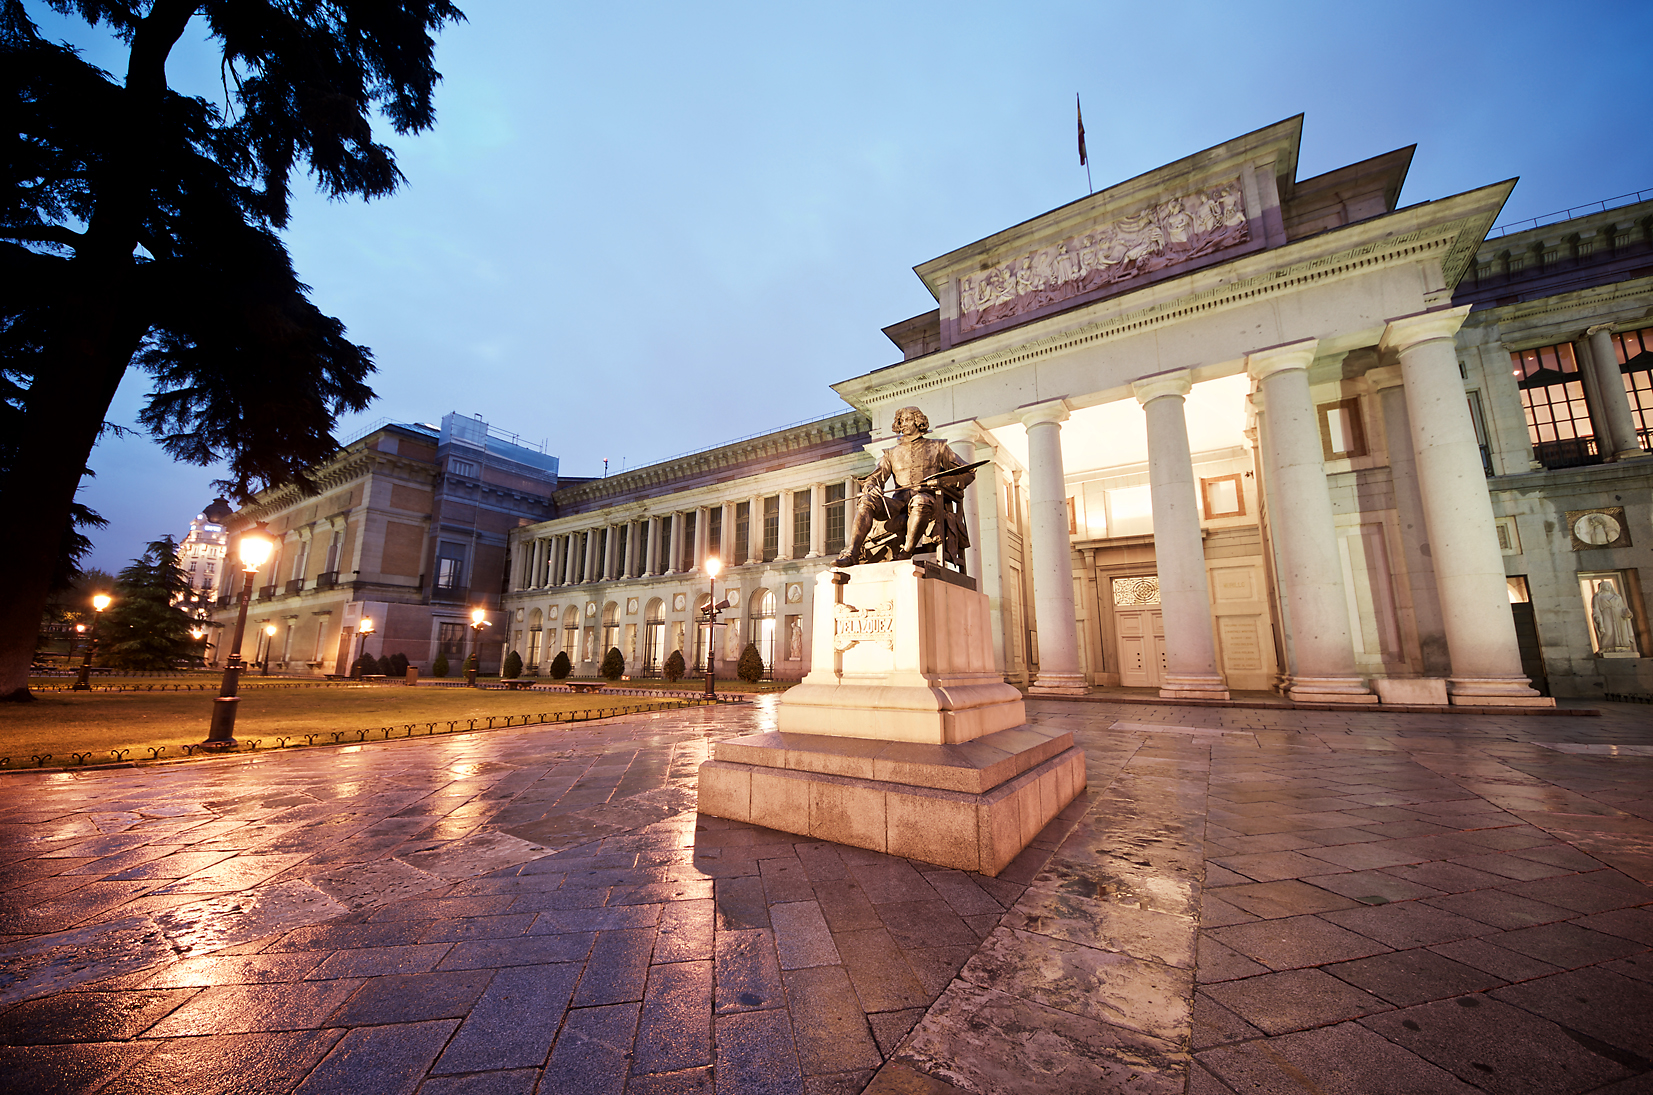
{"x": 1141, "y": 636}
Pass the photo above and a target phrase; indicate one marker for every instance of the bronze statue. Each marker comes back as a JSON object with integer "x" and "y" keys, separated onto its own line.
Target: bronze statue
{"x": 924, "y": 511}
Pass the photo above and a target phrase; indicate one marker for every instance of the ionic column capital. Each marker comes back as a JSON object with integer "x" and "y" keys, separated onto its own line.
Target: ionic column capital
{"x": 1263, "y": 364}
{"x": 1178, "y": 382}
{"x": 1405, "y": 332}
{"x": 1600, "y": 328}
{"x": 1038, "y": 414}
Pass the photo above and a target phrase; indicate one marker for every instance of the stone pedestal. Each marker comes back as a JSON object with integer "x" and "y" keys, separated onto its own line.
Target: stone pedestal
{"x": 903, "y": 738}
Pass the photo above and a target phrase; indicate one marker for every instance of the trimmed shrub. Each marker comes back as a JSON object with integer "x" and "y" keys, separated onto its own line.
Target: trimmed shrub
{"x": 367, "y": 663}
{"x": 439, "y": 668}
{"x": 385, "y": 667}
{"x": 673, "y": 669}
{"x": 614, "y": 664}
{"x": 750, "y": 668}
{"x": 561, "y": 666}
{"x": 398, "y": 665}
{"x": 513, "y": 666}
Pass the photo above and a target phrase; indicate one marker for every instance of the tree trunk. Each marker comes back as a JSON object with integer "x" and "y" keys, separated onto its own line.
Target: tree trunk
{"x": 66, "y": 405}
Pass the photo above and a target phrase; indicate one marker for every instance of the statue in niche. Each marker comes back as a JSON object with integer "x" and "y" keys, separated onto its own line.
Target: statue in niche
{"x": 1615, "y": 630}
{"x": 795, "y": 641}
{"x": 925, "y": 509}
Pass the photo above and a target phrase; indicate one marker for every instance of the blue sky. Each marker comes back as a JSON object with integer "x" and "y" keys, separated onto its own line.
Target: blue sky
{"x": 639, "y": 230}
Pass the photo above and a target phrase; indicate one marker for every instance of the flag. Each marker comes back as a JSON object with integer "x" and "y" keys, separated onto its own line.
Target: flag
{"x": 1083, "y": 161}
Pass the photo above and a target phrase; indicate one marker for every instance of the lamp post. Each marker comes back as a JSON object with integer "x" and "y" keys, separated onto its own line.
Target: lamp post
{"x": 83, "y": 683}
{"x": 714, "y": 567}
{"x": 78, "y": 633}
{"x": 478, "y": 622}
{"x": 363, "y": 630}
{"x": 199, "y": 633}
{"x": 255, "y": 550}
{"x": 269, "y": 645}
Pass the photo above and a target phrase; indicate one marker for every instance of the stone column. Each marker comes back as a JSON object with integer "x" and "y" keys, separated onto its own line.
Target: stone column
{"x": 1615, "y": 402}
{"x": 651, "y": 565}
{"x": 1599, "y": 424}
{"x": 726, "y": 537}
{"x": 1051, "y": 558}
{"x": 990, "y": 579}
{"x": 1414, "y": 538}
{"x": 676, "y": 547}
{"x": 754, "y": 529}
{"x": 1179, "y": 551}
{"x": 702, "y": 536}
{"x": 966, "y": 451}
{"x": 817, "y": 521}
{"x": 783, "y": 533}
{"x": 1305, "y": 536}
{"x": 611, "y": 551}
{"x": 1463, "y": 540}
{"x": 588, "y": 573}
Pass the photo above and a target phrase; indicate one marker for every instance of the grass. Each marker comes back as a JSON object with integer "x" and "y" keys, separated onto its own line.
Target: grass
{"x": 62, "y": 723}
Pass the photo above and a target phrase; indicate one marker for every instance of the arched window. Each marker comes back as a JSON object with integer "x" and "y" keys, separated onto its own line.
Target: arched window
{"x": 611, "y": 628}
{"x": 763, "y": 625}
{"x": 536, "y": 623}
{"x": 654, "y": 635}
{"x": 571, "y": 632}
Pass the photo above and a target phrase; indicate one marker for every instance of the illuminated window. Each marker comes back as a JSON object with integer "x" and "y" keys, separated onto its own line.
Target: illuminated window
{"x": 1552, "y": 394}
{"x": 1223, "y": 497}
{"x": 1342, "y": 434}
{"x": 1634, "y": 350}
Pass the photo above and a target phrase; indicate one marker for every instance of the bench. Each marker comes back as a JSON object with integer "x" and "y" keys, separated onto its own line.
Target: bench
{"x": 585, "y": 686}
{"x": 519, "y": 683}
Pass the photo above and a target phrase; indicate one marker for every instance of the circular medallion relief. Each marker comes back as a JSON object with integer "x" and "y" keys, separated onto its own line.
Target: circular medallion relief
{"x": 1597, "y": 528}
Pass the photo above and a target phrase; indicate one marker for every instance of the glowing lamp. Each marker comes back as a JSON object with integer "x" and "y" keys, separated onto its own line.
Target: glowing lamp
{"x": 255, "y": 550}
{"x": 714, "y": 566}
{"x": 101, "y": 601}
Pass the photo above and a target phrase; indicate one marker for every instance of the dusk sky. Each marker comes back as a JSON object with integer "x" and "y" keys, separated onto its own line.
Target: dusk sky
{"x": 641, "y": 230}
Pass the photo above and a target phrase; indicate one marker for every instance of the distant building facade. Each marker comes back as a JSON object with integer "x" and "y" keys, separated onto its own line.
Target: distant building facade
{"x": 407, "y": 529}
{"x": 201, "y": 556}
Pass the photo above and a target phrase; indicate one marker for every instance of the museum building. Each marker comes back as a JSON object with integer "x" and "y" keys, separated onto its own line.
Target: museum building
{"x": 1243, "y": 431}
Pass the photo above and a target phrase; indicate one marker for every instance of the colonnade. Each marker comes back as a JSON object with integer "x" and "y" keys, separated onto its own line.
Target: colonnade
{"x": 1457, "y": 511}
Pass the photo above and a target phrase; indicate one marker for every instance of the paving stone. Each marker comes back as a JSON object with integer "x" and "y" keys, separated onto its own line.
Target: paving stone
{"x": 518, "y": 1081}
{"x": 1345, "y": 1059}
{"x": 389, "y": 1059}
{"x": 685, "y": 931}
{"x": 409, "y": 998}
{"x": 748, "y": 973}
{"x": 1567, "y": 945}
{"x": 756, "y": 1055}
{"x": 379, "y": 961}
{"x": 691, "y": 1081}
{"x": 88, "y": 1016}
{"x": 1407, "y": 924}
{"x": 1297, "y": 941}
{"x": 523, "y": 951}
{"x": 617, "y": 968}
{"x": 224, "y": 1063}
{"x": 890, "y": 1027}
{"x": 1218, "y": 962}
{"x": 592, "y": 1055}
{"x": 845, "y": 905}
{"x": 1496, "y": 1047}
{"x": 52, "y": 1070}
{"x": 236, "y": 1009}
{"x": 1413, "y": 976}
{"x": 1500, "y": 909}
{"x": 675, "y": 1029}
{"x": 801, "y": 935}
{"x": 1596, "y": 1002}
{"x": 1272, "y": 866}
{"x": 1484, "y": 954}
{"x": 838, "y": 1083}
{"x": 1371, "y": 887}
{"x": 514, "y": 1022}
{"x": 1215, "y": 1025}
{"x": 829, "y": 1029}
{"x": 1271, "y": 900}
{"x": 1579, "y": 893}
{"x": 1278, "y": 1003}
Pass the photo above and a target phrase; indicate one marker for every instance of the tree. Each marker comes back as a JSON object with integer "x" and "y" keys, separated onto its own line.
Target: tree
{"x": 138, "y": 227}
{"x": 366, "y": 665}
{"x": 673, "y": 669}
{"x": 750, "y": 666}
{"x": 398, "y": 665}
{"x": 614, "y": 664}
{"x": 146, "y": 627}
{"x": 561, "y": 667}
{"x": 513, "y": 666}
{"x": 439, "y": 668}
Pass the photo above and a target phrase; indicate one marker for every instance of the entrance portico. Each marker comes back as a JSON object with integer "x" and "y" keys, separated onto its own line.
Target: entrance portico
{"x": 1114, "y": 349}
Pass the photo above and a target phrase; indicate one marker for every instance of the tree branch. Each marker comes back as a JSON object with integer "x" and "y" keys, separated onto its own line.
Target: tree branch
{"x": 42, "y": 233}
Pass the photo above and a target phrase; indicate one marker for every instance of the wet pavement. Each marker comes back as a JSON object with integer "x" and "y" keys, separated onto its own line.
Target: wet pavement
{"x": 1244, "y": 900}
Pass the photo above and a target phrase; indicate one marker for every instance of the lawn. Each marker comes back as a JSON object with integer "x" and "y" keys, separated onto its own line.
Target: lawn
{"x": 62, "y": 723}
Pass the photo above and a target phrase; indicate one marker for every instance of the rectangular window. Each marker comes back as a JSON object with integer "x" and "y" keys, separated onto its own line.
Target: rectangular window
{"x": 665, "y": 549}
{"x": 800, "y": 523}
{"x": 1341, "y": 433}
{"x": 620, "y": 551}
{"x": 450, "y": 566}
{"x": 1480, "y": 424}
{"x": 1130, "y": 511}
{"x": 743, "y": 532}
{"x": 714, "y": 532}
{"x": 1558, "y": 416}
{"x": 1634, "y": 350}
{"x": 771, "y": 528}
{"x": 451, "y": 639}
{"x": 462, "y": 467}
{"x": 835, "y": 507}
{"x": 687, "y": 562}
{"x": 1223, "y": 497}
{"x": 335, "y": 548}
{"x": 300, "y": 558}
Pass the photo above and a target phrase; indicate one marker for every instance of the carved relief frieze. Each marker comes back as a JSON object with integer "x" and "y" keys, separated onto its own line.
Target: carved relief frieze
{"x": 1161, "y": 235}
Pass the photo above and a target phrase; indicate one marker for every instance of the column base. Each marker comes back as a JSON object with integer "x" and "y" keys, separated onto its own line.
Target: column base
{"x": 1193, "y": 688}
{"x": 1329, "y": 690}
{"x": 1495, "y": 692}
{"x": 1059, "y": 684}
{"x": 1414, "y": 691}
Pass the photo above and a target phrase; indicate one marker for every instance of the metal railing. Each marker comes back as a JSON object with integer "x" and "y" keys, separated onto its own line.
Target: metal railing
{"x": 1561, "y": 216}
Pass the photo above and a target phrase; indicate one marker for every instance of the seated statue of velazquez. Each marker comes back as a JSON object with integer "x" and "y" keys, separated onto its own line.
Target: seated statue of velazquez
{"x": 922, "y": 511}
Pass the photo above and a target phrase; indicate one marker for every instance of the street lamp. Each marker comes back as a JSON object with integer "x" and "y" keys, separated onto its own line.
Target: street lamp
{"x": 269, "y": 645}
{"x": 363, "y": 630}
{"x": 714, "y": 566}
{"x": 83, "y": 683}
{"x": 255, "y": 550}
{"x": 478, "y": 622}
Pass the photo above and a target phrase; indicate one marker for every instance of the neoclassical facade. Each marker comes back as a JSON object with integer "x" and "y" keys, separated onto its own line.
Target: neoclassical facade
{"x": 1244, "y": 431}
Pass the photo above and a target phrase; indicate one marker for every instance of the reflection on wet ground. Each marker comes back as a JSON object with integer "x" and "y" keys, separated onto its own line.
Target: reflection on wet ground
{"x": 1242, "y": 900}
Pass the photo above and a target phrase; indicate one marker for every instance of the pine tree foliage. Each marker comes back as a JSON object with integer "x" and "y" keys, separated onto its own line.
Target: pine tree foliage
{"x": 561, "y": 667}
{"x": 439, "y": 668}
{"x": 614, "y": 664}
{"x": 513, "y": 666}
{"x": 673, "y": 669}
{"x": 750, "y": 667}
{"x": 145, "y": 627}
{"x": 398, "y": 665}
{"x": 138, "y": 226}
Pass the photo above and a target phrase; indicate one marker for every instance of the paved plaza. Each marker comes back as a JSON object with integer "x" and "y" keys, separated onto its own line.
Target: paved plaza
{"x": 1244, "y": 900}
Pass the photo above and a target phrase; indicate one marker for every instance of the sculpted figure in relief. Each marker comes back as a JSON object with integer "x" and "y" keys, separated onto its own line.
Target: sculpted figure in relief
{"x": 1615, "y": 630}
{"x": 912, "y": 511}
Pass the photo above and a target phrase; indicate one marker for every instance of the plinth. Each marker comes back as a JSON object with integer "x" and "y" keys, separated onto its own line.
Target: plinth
{"x": 903, "y": 738}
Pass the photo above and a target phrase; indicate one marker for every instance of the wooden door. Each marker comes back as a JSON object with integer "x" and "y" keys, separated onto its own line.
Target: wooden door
{"x": 1140, "y": 633}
